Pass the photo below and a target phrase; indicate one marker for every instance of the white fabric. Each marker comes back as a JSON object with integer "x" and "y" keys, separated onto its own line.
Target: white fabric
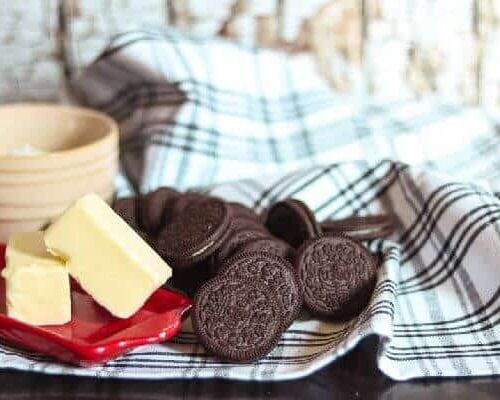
{"x": 200, "y": 112}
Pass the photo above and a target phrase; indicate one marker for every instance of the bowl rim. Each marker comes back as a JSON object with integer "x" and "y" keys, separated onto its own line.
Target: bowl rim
{"x": 111, "y": 135}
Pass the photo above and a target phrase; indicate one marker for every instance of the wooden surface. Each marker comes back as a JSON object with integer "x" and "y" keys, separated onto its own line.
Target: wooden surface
{"x": 352, "y": 377}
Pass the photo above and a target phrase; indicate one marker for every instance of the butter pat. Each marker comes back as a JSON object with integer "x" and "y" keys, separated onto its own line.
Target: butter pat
{"x": 111, "y": 262}
{"x": 37, "y": 283}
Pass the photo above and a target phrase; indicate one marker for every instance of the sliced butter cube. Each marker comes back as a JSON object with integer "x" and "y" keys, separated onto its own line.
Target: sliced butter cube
{"x": 37, "y": 283}
{"x": 112, "y": 263}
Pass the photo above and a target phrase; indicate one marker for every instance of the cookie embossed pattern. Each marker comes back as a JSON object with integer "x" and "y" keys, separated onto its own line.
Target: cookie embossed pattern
{"x": 238, "y": 321}
{"x": 338, "y": 275}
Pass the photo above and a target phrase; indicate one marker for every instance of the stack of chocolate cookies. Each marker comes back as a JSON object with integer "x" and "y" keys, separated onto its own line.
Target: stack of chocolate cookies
{"x": 251, "y": 274}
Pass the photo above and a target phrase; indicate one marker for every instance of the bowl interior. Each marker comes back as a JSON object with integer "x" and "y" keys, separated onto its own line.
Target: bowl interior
{"x": 48, "y": 128}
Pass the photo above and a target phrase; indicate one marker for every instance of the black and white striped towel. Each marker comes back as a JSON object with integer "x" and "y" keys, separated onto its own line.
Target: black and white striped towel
{"x": 200, "y": 112}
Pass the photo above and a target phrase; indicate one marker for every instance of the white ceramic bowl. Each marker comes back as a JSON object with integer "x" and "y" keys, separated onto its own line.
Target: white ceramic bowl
{"x": 71, "y": 151}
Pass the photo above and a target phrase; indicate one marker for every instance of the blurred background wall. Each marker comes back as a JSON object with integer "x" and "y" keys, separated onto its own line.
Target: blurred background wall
{"x": 390, "y": 49}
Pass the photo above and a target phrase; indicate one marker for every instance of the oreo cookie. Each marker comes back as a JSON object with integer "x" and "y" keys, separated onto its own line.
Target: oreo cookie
{"x": 128, "y": 209}
{"x": 337, "y": 275}
{"x": 361, "y": 228}
{"x": 275, "y": 273}
{"x": 233, "y": 242}
{"x": 237, "y": 320}
{"x": 269, "y": 245}
{"x": 184, "y": 200}
{"x": 292, "y": 221}
{"x": 242, "y": 223}
{"x": 239, "y": 210}
{"x": 156, "y": 208}
{"x": 195, "y": 233}
{"x": 190, "y": 279}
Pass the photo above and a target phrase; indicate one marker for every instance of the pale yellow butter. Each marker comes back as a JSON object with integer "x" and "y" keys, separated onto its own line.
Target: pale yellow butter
{"x": 109, "y": 259}
{"x": 37, "y": 283}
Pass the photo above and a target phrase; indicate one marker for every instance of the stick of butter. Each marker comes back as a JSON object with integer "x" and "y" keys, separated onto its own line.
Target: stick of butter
{"x": 37, "y": 283}
{"x": 109, "y": 260}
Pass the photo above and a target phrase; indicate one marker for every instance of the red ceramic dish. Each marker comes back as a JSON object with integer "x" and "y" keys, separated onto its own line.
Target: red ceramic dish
{"x": 94, "y": 336}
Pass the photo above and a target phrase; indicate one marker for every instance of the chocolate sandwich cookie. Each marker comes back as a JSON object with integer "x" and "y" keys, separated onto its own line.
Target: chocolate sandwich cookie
{"x": 184, "y": 200}
{"x": 195, "y": 233}
{"x": 189, "y": 280}
{"x": 292, "y": 221}
{"x": 239, "y": 210}
{"x": 273, "y": 245}
{"x": 156, "y": 208}
{"x": 361, "y": 228}
{"x": 233, "y": 242}
{"x": 239, "y": 223}
{"x": 274, "y": 272}
{"x": 237, "y": 320}
{"x": 337, "y": 275}
{"x": 128, "y": 209}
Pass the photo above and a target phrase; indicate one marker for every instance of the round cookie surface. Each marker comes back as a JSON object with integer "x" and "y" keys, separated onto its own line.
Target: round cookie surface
{"x": 238, "y": 321}
{"x": 234, "y": 241}
{"x": 292, "y": 221}
{"x": 184, "y": 200}
{"x": 275, "y": 273}
{"x": 156, "y": 208}
{"x": 195, "y": 233}
{"x": 189, "y": 280}
{"x": 127, "y": 208}
{"x": 239, "y": 210}
{"x": 269, "y": 245}
{"x": 361, "y": 228}
{"x": 239, "y": 222}
{"x": 337, "y": 275}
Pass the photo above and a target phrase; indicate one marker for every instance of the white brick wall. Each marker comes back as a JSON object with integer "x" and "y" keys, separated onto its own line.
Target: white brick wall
{"x": 441, "y": 31}
{"x": 94, "y": 22}
{"x": 28, "y": 66}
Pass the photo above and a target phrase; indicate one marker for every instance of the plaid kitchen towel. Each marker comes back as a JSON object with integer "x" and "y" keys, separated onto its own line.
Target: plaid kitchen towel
{"x": 197, "y": 112}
